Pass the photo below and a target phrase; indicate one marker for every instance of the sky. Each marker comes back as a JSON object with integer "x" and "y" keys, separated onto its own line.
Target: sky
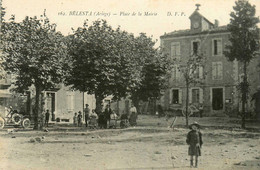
{"x": 153, "y": 17}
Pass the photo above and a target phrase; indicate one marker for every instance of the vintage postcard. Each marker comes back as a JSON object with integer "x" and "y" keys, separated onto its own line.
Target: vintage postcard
{"x": 129, "y": 84}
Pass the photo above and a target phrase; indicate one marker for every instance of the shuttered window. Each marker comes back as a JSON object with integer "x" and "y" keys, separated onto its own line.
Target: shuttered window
{"x": 70, "y": 101}
{"x": 175, "y": 73}
{"x": 175, "y": 50}
{"x": 217, "y": 47}
{"x": 175, "y": 96}
{"x": 196, "y": 95}
{"x": 217, "y": 68}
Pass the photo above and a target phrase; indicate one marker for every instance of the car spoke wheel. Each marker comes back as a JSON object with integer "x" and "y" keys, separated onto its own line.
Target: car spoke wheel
{"x": 26, "y": 123}
{"x": 184, "y": 111}
{"x": 2, "y": 123}
{"x": 16, "y": 118}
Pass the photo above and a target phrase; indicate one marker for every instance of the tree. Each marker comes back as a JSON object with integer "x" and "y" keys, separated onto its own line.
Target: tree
{"x": 192, "y": 71}
{"x": 103, "y": 61}
{"x": 243, "y": 42}
{"x": 35, "y": 53}
{"x": 107, "y": 61}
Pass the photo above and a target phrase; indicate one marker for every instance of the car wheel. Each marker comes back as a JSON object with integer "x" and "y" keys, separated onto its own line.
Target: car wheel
{"x": 26, "y": 123}
{"x": 16, "y": 118}
{"x": 2, "y": 123}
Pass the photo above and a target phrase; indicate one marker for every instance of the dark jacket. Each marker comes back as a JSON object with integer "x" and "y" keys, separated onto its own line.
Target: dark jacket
{"x": 108, "y": 112}
{"x": 194, "y": 138}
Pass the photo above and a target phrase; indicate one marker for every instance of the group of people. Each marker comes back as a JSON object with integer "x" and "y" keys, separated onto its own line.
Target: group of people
{"x": 106, "y": 119}
{"x": 78, "y": 117}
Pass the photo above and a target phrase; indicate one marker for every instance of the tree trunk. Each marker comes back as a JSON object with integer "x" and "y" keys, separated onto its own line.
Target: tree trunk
{"x": 244, "y": 94}
{"x": 37, "y": 107}
{"x": 117, "y": 107}
{"x": 99, "y": 100}
{"x": 187, "y": 105}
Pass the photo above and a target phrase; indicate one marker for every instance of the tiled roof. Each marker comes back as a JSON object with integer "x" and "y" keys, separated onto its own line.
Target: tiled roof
{"x": 188, "y": 32}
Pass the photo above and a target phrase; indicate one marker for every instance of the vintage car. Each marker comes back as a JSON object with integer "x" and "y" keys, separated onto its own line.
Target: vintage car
{"x": 15, "y": 119}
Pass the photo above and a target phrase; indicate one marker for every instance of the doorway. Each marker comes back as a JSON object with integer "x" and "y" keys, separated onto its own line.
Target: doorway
{"x": 217, "y": 98}
{"x": 50, "y": 103}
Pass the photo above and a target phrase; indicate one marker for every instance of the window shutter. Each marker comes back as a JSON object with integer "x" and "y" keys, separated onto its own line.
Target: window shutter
{"x": 201, "y": 95}
{"x": 170, "y": 96}
{"x": 172, "y": 50}
{"x": 219, "y": 47}
{"x": 220, "y": 70}
{"x": 178, "y": 49}
{"x": 180, "y": 96}
{"x": 201, "y": 72}
{"x": 70, "y": 101}
{"x": 190, "y": 95}
{"x": 214, "y": 70}
{"x": 177, "y": 72}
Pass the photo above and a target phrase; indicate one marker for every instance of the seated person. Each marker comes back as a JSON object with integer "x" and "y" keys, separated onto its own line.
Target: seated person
{"x": 93, "y": 114}
{"x": 113, "y": 116}
{"x": 124, "y": 116}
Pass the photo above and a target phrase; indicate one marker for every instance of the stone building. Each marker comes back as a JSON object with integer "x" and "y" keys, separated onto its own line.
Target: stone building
{"x": 218, "y": 92}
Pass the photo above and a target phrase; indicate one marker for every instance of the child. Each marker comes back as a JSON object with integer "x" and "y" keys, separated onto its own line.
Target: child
{"x": 75, "y": 121}
{"x": 194, "y": 140}
{"x": 79, "y": 119}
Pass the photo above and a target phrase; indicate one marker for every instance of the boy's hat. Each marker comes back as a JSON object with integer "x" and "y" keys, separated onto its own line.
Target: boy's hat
{"x": 195, "y": 124}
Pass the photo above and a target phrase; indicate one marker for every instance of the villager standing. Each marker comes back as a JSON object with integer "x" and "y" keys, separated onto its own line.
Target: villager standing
{"x": 194, "y": 140}
{"x": 80, "y": 119}
{"x": 47, "y": 117}
{"x": 86, "y": 112}
{"x": 201, "y": 110}
{"x": 133, "y": 116}
{"x": 75, "y": 119}
{"x": 108, "y": 112}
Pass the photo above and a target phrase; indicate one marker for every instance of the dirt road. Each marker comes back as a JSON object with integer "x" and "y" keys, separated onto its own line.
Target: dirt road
{"x": 146, "y": 147}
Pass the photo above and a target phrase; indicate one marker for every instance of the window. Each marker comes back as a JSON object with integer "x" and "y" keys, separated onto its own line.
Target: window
{"x": 175, "y": 96}
{"x": 195, "y": 96}
{"x": 195, "y": 47}
{"x": 176, "y": 73}
{"x": 198, "y": 73}
{"x": 217, "y": 47}
{"x": 217, "y": 70}
{"x": 70, "y": 101}
{"x": 175, "y": 50}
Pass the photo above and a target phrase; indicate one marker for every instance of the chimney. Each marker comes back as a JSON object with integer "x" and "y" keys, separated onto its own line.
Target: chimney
{"x": 197, "y": 5}
{"x": 216, "y": 23}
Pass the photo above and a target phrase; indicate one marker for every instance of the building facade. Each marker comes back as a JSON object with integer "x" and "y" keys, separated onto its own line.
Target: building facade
{"x": 64, "y": 102}
{"x": 217, "y": 92}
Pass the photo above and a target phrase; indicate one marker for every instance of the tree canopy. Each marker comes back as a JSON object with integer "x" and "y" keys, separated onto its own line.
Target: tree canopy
{"x": 107, "y": 61}
{"x": 244, "y": 32}
{"x": 35, "y": 53}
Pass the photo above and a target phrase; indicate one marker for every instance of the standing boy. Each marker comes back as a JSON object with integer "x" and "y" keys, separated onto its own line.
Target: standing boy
{"x": 79, "y": 119}
{"x": 75, "y": 119}
{"x": 47, "y": 117}
{"x": 194, "y": 140}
